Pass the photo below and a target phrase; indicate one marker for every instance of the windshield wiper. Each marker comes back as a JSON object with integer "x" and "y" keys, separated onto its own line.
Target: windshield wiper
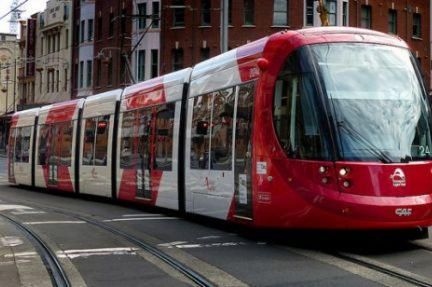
{"x": 369, "y": 146}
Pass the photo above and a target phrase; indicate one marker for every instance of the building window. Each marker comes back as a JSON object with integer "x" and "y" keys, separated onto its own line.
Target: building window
{"x": 90, "y": 30}
{"x": 65, "y": 86}
{"x": 179, "y": 14}
{"x": 154, "y": 63}
{"x": 345, "y": 14}
{"x": 365, "y": 16}
{"x": 177, "y": 59}
{"x": 111, "y": 25}
{"x": 65, "y": 12}
{"x": 82, "y": 31}
{"x": 142, "y": 11}
{"x": 332, "y": 12}
{"x": 110, "y": 72}
{"x": 280, "y": 12}
{"x": 309, "y": 12}
{"x": 98, "y": 71}
{"x": 205, "y": 54}
{"x": 249, "y": 12}
{"x": 205, "y": 13}
{"x": 42, "y": 46}
{"x": 81, "y": 74}
{"x": 392, "y": 21}
{"x": 155, "y": 12}
{"x": 417, "y": 25}
{"x": 99, "y": 28}
{"x": 47, "y": 82}
{"x": 141, "y": 65}
{"x": 57, "y": 80}
{"x": 67, "y": 38}
{"x": 58, "y": 41}
{"x": 230, "y": 12}
{"x": 123, "y": 21}
{"x": 89, "y": 73}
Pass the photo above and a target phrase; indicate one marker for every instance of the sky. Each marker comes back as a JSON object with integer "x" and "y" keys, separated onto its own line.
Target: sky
{"x": 31, "y": 7}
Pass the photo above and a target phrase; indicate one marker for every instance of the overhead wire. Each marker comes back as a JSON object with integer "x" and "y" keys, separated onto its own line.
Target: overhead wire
{"x": 13, "y": 9}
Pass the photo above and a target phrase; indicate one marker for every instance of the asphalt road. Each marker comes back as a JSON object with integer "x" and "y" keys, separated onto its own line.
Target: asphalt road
{"x": 225, "y": 255}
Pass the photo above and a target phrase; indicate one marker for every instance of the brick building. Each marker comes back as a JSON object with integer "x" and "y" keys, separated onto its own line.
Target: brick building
{"x": 112, "y": 45}
{"x": 409, "y": 19}
{"x": 190, "y": 28}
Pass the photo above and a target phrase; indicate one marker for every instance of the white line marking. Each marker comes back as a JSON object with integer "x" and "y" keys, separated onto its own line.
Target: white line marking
{"x": 76, "y": 253}
{"x": 27, "y": 212}
{"x": 13, "y": 207}
{"x": 209, "y": 237}
{"x": 10, "y": 241}
{"x": 28, "y": 254}
{"x": 52, "y": 222}
{"x": 137, "y": 219}
{"x": 141, "y": 215}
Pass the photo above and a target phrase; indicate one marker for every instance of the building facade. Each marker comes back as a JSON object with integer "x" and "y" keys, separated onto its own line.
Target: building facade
{"x": 53, "y": 51}
{"x": 83, "y": 48}
{"x": 26, "y": 63}
{"x": 8, "y": 83}
{"x": 112, "y": 49}
{"x": 191, "y": 28}
{"x": 145, "y": 39}
{"x": 409, "y": 20}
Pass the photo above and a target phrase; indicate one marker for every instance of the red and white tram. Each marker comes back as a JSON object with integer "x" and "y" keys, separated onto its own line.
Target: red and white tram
{"x": 316, "y": 128}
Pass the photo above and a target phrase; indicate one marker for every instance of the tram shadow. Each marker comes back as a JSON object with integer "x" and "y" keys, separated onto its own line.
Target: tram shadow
{"x": 360, "y": 242}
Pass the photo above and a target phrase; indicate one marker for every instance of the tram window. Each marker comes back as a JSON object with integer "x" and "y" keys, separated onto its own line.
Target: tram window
{"x": 222, "y": 125}
{"x": 144, "y": 129}
{"x": 164, "y": 136}
{"x": 295, "y": 115}
{"x": 95, "y": 149}
{"x": 22, "y": 145}
{"x": 244, "y": 125}
{"x": 66, "y": 143}
{"x": 199, "y": 156}
{"x": 127, "y": 139}
{"x": 89, "y": 137}
{"x": 101, "y": 146}
{"x": 54, "y": 152}
{"x": 44, "y": 134}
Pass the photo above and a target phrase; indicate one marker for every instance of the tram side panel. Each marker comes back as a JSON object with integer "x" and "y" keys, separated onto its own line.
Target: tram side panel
{"x": 21, "y": 147}
{"x": 96, "y": 141}
{"x": 148, "y": 142}
{"x": 55, "y": 152}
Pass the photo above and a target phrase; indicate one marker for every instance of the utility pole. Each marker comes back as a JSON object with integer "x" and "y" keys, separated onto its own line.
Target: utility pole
{"x": 224, "y": 26}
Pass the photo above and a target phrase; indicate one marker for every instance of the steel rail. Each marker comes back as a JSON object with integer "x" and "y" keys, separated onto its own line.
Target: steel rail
{"x": 195, "y": 277}
{"x": 50, "y": 260}
{"x": 387, "y": 271}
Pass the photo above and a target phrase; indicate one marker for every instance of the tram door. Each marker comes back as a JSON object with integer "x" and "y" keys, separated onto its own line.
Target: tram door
{"x": 11, "y": 155}
{"x": 243, "y": 152}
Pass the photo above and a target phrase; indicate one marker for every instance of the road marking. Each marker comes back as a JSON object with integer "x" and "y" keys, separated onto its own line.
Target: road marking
{"x": 24, "y": 212}
{"x": 138, "y": 219}
{"x": 76, "y": 253}
{"x": 141, "y": 215}
{"x": 10, "y": 241}
{"x": 53, "y": 222}
{"x": 186, "y": 245}
{"x": 27, "y": 254}
{"x": 4, "y": 207}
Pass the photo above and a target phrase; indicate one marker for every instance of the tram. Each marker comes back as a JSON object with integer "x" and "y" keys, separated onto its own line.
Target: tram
{"x": 324, "y": 128}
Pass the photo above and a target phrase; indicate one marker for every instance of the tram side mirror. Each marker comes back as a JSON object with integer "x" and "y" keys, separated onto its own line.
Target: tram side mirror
{"x": 101, "y": 127}
{"x": 202, "y": 128}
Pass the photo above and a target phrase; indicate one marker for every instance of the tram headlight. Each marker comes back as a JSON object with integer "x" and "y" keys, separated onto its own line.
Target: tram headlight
{"x": 343, "y": 171}
{"x": 322, "y": 169}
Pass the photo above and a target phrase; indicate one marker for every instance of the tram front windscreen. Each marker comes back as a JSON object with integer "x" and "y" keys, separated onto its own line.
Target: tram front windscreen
{"x": 377, "y": 102}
